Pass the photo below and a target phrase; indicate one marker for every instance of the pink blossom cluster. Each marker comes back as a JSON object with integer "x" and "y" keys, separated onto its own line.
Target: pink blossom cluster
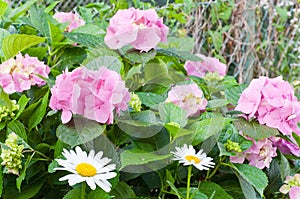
{"x": 20, "y": 73}
{"x": 188, "y": 97}
{"x": 73, "y": 19}
{"x": 260, "y": 154}
{"x": 140, "y": 28}
{"x": 208, "y": 64}
{"x": 291, "y": 186}
{"x": 272, "y": 102}
{"x": 92, "y": 94}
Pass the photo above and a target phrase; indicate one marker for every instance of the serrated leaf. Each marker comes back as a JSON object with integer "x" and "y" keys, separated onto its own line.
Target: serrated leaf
{"x": 256, "y": 177}
{"x": 139, "y": 157}
{"x": 170, "y": 113}
{"x": 232, "y": 94}
{"x": 151, "y": 99}
{"x": 184, "y": 55}
{"x": 207, "y": 127}
{"x": 88, "y": 40}
{"x": 39, "y": 21}
{"x": 73, "y": 194}
{"x": 13, "y": 44}
{"x": 110, "y": 62}
{"x": 183, "y": 43}
{"x": 284, "y": 167}
{"x": 254, "y": 129}
{"x": 17, "y": 127}
{"x": 79, "y": 131}
{"x": 217, "y": 103}
{"x": 122, "y": 191}
{"x": 136, "y": 56}
{"x": 208, "y": 188}
{"x": 248, "y": 190}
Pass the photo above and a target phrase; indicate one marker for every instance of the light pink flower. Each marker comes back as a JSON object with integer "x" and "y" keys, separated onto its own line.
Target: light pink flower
{"x": 20, "y": 73}
{"x": 295, "y": 192}
{"x": 285, "y": 146}
{"x": 208, "y": 64}
{"x": 188, "y": 97}
{"x": 260, "y": 154}
{"x": 272, "y": 102}
{"x": 292, "y": 186}
{"x": 92, "y": 94}
{"x": 140, "y": 28}
{"x": 73, "y": 19}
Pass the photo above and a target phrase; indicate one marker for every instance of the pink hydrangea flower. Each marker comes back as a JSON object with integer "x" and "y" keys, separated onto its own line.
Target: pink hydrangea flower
{"x": 291, "y": 186}
{"x": 73, "y": 19}
{"x": 92, "y": 94}
{"x": 272, "y": 102}
{"x": 260, "y": 154}
{"x": 20, "y": 73}
{"x": 188, "y": 97}
{"x": 208, "y": 64}
{"x": 140, "y": 28}
{"x": 285, "y": 146}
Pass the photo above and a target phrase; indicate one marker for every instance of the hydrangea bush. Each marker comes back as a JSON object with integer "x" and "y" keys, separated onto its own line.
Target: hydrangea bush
{"x": 96, "y": 107}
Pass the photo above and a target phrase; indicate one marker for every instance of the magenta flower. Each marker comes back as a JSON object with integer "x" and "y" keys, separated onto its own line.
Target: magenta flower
{"x": 73, "y": 19}
{"x": 285, "y": 146}
{"x": 20, "y": 73}
{"x": 260, "y": 154}
{"x": 188, "y": 97}
{"x": 272, "y": 102}
{"x": 92, "y": 94}
{"x": 208, "y": 64}
{"x": 140, "y": 28}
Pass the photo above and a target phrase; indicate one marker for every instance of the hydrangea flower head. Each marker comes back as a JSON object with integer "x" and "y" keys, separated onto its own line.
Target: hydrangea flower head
{"x": 20, "y": 73}
{"x": 272, "y": 102}
{"x": 291, "y": 186}
{"x": 188, "y": 97}
{"x": 188, "y": 156}
{"x": 92, "y": 94}
{"x": 73, "y": 19}
{"x": 208, "y": 64}
{"x": 285, "y": 146}
{"x": 142, "y": 29}
{"x": 260, "y": 154}
{"x": 91, "y": 168}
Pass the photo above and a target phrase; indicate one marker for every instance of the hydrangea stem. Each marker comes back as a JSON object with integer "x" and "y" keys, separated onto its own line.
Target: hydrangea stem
{"x": 189, "y": 181}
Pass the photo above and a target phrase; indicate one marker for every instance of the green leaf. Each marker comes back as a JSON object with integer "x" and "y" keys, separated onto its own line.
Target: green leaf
{"x": 207, "y": 127}
{"x": 136, "y": 56}
{"x": 39, "y": 112}
{"x": 18, "y": 11}
{"x": 23, "y": 173}
{"x": 139, "y": 157}
{"x": 297, "y": 138}
{"x": 217, "y": 103}
{"x": 184, "y": 55}
{"x": 79, "y": 131}
{"x": 256, "y": 177}
{"x": 254, "y": 129}
{"x": 248, "y": 190}
{"x": 56, "y": 35}
{"x": 175, "y": 190}
{"x": 171, "y": 113}
{"x": 157, "y": 73}
{"x": 122, "y": 191}
{"x": 4, "y": 99}
{"x": 3, "y": 7}
{"x": 184, "y": 43}
{"x": 208, "y": 188}
{"x": 217, "y": 39}
{"x": 110, "y": 62}
{"x": 232, "y": 94}
{"x": 17, "y": 127}
{"x": 39, "y": 21}
{"x": 151, "y": 99}
{"x": 59, "y": 146}
{"x": 88, "y": 40}
{"x": 285, "y": 169}
{"x": 13, "y": 44}
{"x": 195, "y": 193}
{"x": 1, "y": 180}
{"x": 73, "y": 194}
{"x": 52, "y": 166}
{"x": 3, "y": 33}
{"x": 98, "y": 194}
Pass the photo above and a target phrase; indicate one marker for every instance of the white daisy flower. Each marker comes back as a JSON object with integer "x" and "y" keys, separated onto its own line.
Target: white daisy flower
{"x": 188, "y": 156}
{"x": 90, "y": 168}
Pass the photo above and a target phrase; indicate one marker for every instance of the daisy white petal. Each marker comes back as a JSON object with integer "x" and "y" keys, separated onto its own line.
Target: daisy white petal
{"x": 187, "y": 156}
{"x": 91, "y": 168}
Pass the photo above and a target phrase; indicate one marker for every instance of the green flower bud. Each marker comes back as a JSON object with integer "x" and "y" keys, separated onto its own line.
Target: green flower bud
{"x": 174, "y": 124}
{"x": 232, "y": 146}
{"x": 213, "y": 77}
{"x": 12, "y": 154}
{"x": 135, "y": 102}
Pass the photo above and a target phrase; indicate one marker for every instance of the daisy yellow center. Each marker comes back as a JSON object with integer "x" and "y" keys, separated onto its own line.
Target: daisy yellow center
{"x": 86, "y": 170}
{"x": 191, "y": 158}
